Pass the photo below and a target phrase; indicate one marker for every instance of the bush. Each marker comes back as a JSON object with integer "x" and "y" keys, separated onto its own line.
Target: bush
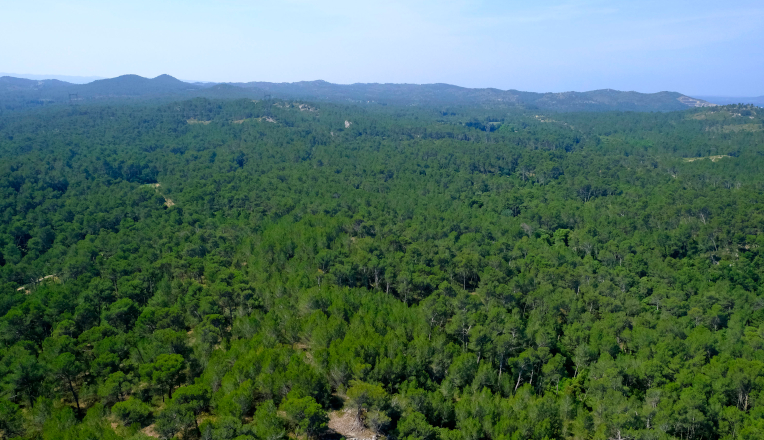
{"x": 132, "y": 411}
{"x": 305, "y": 415}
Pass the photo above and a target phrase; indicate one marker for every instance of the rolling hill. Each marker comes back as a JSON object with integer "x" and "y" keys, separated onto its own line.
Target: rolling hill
{"x": 17, "y": 93}
{"x": 446, "y": 94}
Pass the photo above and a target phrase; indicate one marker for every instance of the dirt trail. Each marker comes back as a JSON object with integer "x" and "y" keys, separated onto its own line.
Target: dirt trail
{"x": 167, "y": 202}
{"x": 25, "y": 287}
{"x": 713, "y": 158}
{"x": 343, "y": 423}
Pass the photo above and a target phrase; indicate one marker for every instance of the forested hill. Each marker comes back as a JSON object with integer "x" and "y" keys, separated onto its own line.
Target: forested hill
{"x": 22, "y": 94}
{"x": 278, "y": 269}
{"x": 17, "y": 93}
{"x": 446, "y": 94}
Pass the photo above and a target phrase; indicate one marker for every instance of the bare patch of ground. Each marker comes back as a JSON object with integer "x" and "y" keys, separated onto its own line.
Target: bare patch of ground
{"x": 167, "y": 202}
{"x": 304, "y": 349}
{"x": 692, "y": 102}
{"x": 194, "y": 121}
{"x": 343, "y": 423}
{"x": 542, "y": 119}
{"x": 150, "y": 431}
{"x": 713, "y": 158}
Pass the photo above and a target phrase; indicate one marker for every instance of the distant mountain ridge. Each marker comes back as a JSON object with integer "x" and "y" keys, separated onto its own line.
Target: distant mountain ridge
{"x": 134, "y": 85}
{"x": 19, "y": 92}
{"x": 408, "y": 94}
{"x": 74, "y": 79}
{"x": 125, "y": 85}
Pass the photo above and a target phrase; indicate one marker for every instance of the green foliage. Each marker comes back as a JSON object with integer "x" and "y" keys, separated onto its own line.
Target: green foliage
{"x": 115, "y": 387}
{"x": 238, "y": 403}
{"x": 66, "y": 368}
{"x": 377, "y": 420}
{"x": 413, "y": 425}
{"x": 195, "y": 398}
{"x": 11, "y": 424}
{"x": 224, "y": 428}
{"x": 267, "y": 425}
{"x": 22, "y": 373}
{"x": 370, "y": 398}
{"x": 165, "y": 372}
{"x": 463, "y": 273}
{"x": 132, "y": 411}
{"x": 305, "y": 415}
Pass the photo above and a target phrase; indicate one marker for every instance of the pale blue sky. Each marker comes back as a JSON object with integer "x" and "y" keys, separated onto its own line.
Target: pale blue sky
{"x": 696, "y": 47}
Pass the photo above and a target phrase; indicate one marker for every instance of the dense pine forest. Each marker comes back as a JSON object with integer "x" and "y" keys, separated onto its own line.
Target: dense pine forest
{"x": 274, "y": 269}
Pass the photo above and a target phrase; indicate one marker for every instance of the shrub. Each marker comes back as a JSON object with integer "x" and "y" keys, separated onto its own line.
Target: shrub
{"x": 132, "y": 411}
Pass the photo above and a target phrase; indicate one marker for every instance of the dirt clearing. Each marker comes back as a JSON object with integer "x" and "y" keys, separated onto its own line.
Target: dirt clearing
{"x": 343, "y": 423}
{"x": 713, "y": 158}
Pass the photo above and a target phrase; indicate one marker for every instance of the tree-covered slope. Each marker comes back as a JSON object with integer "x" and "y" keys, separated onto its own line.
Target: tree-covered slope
{"x": 446, "y": 94}
{"x": 249, "y": 270}
{"x": 16, "y": 93}
{"x": 21, "y": 94}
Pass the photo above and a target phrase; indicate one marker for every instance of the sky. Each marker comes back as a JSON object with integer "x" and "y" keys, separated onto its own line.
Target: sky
{"x": 695, "y": 47}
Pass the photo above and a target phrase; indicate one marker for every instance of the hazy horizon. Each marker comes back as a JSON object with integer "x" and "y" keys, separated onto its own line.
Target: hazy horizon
{"x": 697, "y": 48}
{"x": 89, "y": 79}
